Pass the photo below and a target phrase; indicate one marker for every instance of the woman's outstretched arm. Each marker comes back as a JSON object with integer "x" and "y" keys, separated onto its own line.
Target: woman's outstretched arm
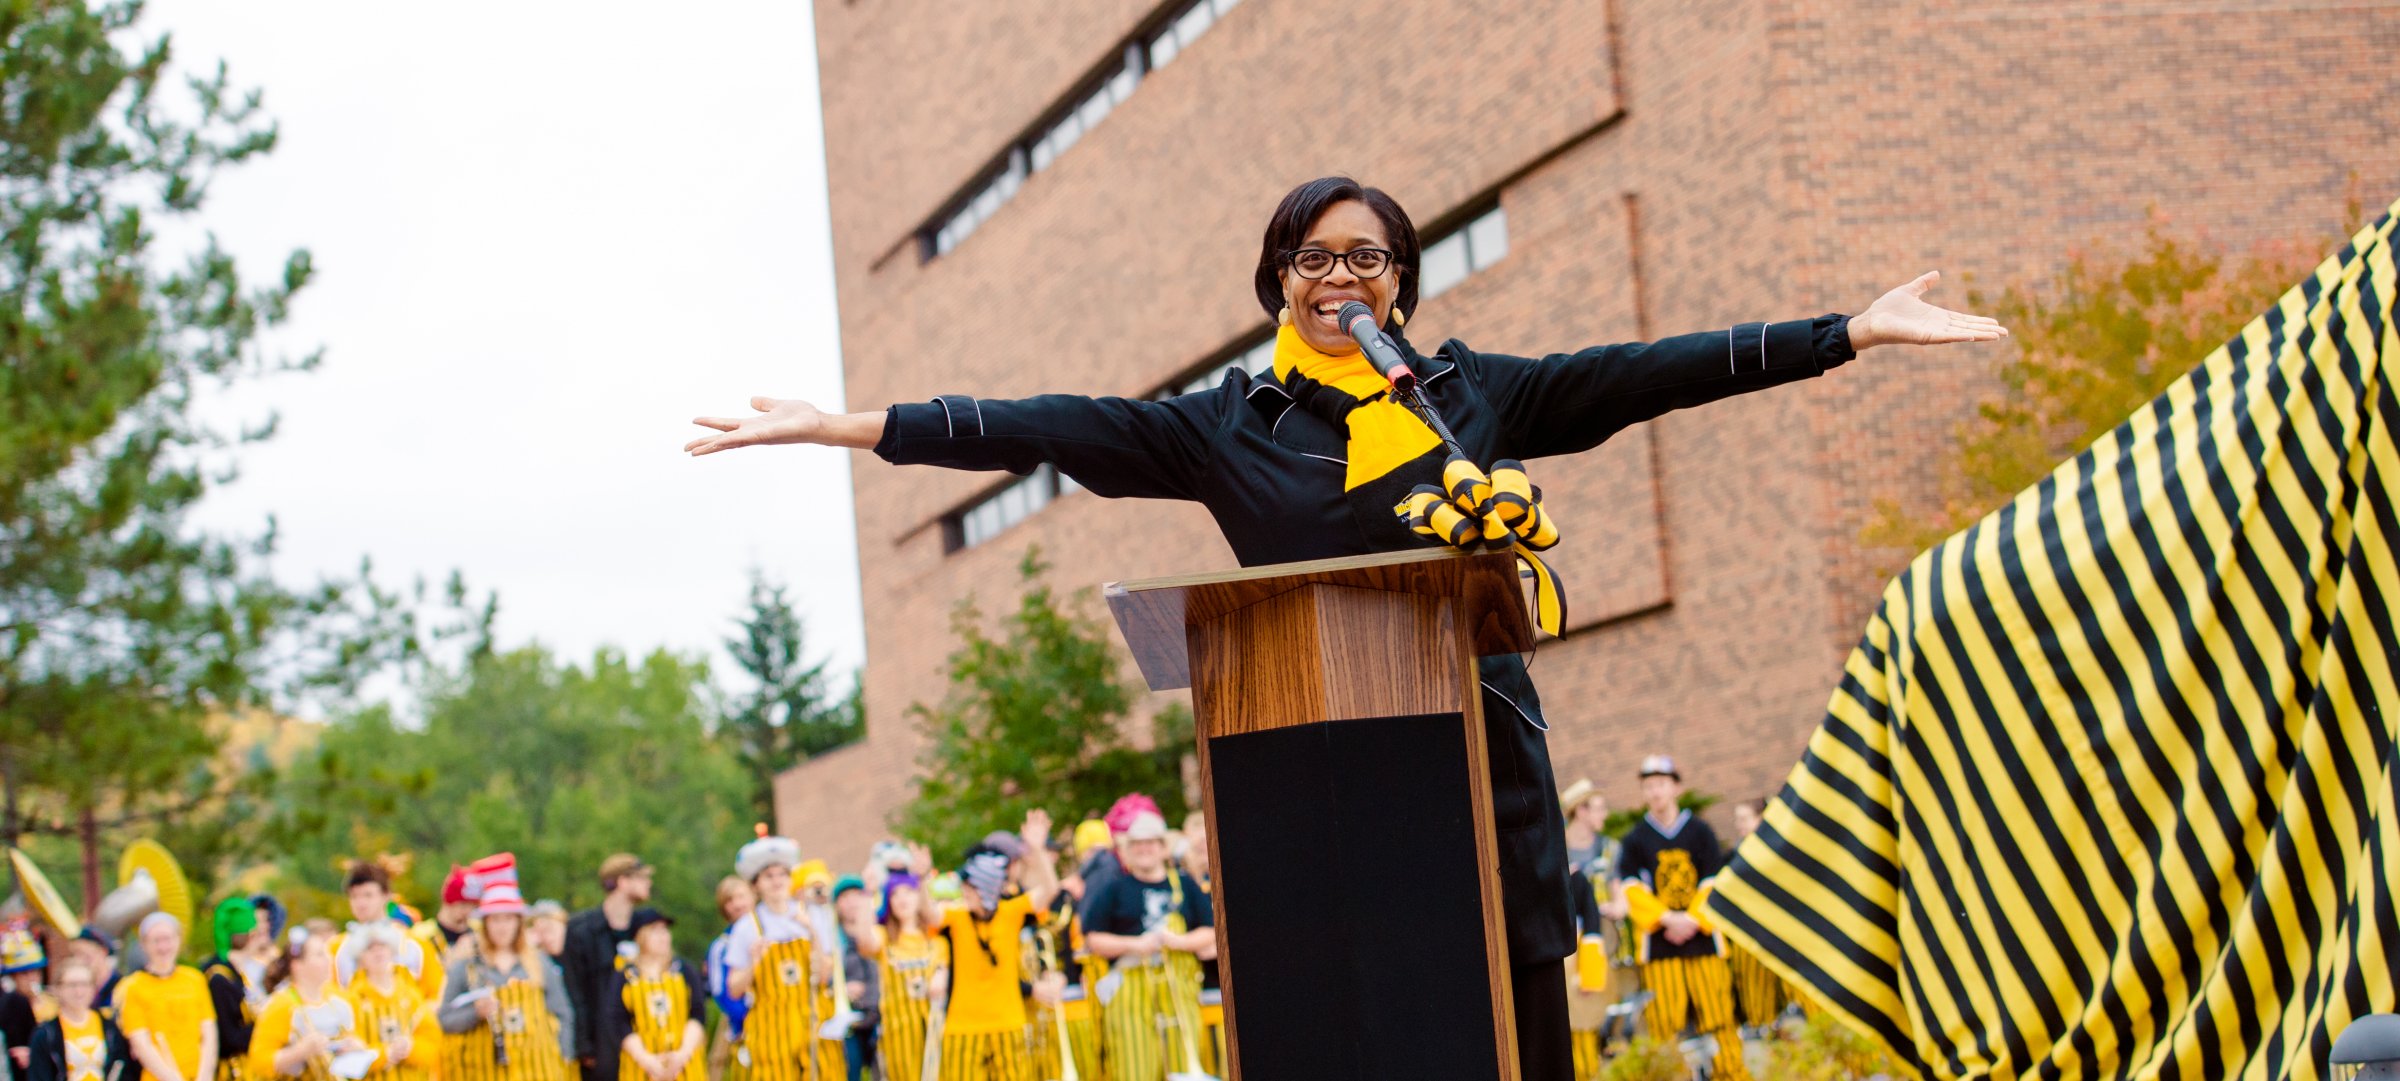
{"x": 1116, "y": 447}
{"x": 1570, "y": 402}
{"x": 788, "y": 420}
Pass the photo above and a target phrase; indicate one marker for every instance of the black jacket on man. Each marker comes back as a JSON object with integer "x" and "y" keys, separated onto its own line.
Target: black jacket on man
{"x": 590, "y": 963}
{"x": 49, "y": 1047}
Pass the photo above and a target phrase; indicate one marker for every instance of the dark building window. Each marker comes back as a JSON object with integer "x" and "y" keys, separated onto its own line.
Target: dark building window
{"x": 1164, "y": 35}
{"x": 1482, "y": 241}
{"x": 991, "y": 515}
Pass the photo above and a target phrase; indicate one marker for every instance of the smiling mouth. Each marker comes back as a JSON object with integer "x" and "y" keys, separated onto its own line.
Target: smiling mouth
{"x": 1327, "y": 311}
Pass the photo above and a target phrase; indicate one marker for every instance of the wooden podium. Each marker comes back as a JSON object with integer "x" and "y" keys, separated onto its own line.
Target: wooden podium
{"x": 1348, "y": 793}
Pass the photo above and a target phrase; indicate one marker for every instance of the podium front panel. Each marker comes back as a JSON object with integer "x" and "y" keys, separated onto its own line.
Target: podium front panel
{"x": 1349, "y": 858}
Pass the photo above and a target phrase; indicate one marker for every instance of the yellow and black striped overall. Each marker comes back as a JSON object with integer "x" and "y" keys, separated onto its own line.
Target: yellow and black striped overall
{"x": 383, "y": 1019}
{"x": 910, "y": 961}
{"x": 781, "y": 1031}
{"x": 1757, "y": 990}
{"x": 1063, "y": 1031}
{"x": 528, "y": 1032}
{"x": 661, "y": 1007}
{"x": 1153, "y": 1021}
{"x": 833, "y": 1061}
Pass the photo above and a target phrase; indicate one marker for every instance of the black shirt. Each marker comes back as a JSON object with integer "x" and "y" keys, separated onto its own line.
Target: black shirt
{"x": 1672, "y": 862}
{"x": 1129, "y": 906}
{"x": 228, "y": 990}
{"x": 16, "y": 1019}
{"x": 590, "y": 964}
{"x": 1268, "y": 462}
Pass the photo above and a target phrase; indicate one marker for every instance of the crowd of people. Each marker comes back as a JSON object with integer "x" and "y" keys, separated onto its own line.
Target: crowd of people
{"x": 1030, "y": 957}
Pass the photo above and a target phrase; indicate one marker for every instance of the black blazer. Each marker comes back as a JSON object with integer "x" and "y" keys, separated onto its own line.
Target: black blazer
{"x": 49, "y": 1048}
{"x": 1267, "y": 460}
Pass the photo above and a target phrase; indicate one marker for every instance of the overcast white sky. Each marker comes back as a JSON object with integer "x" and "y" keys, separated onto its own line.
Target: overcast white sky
{"x": 548, "y": 234}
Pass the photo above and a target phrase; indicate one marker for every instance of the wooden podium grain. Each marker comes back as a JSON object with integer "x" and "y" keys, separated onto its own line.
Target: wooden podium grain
{"x": 1347, "y": 788}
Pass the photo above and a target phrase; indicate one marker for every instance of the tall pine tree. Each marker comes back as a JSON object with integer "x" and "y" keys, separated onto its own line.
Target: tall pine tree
{"x": 794, "y": 712}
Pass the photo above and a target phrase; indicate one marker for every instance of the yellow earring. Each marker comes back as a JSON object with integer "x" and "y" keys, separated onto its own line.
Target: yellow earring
{"x": 1399, "y": 318}
{"x": 1284, "y": 318}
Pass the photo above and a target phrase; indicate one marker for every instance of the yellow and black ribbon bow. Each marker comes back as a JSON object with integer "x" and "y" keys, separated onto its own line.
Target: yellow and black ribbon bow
{"x": 1496, "y": 511}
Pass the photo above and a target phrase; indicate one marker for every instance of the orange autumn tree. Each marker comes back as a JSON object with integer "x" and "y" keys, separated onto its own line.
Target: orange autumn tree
{"x": 2108, "y": 333}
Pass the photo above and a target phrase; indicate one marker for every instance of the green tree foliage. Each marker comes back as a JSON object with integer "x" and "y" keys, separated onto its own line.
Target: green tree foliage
{"x": 518, "y": 751}
{"x": 2105, "y": 336}
{"x": 122, "y": 626}
{"x": 1035, "y": 718}
{"x": 793, "y": 713}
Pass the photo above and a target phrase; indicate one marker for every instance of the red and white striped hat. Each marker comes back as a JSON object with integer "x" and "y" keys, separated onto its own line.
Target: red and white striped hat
{"x": 490, "y": 871}
{"x": 500, "y": 898}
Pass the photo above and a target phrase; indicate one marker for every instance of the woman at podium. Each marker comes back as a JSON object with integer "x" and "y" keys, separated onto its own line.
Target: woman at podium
{"x": 1308, "y": 461}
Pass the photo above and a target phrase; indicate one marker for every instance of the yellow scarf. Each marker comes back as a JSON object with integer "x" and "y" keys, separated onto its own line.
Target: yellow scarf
{"x": 1384, "y": 435}
{"x": 1469, "y": 509}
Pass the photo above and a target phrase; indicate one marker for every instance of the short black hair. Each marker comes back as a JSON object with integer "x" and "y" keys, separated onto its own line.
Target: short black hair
{"x": 1300, "y": 209}
{"x": 367, "y": 871}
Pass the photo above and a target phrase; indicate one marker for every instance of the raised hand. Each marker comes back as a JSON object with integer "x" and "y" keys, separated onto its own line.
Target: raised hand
{"x": 1902, "y": 317}
{"x": 1036, "y": 831}
{"x": 779, "y": 420}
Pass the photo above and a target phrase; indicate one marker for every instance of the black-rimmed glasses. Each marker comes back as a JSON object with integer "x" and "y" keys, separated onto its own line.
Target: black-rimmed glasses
{"x": 1315, "y": 263}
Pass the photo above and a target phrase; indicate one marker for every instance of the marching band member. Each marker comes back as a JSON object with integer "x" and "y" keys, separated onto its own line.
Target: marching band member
{"x": 307, "y": 1021}
{"x": 772, "y": 960}
{"x": 1668, "y": 859}
{"x": 983, "y": 1026}
{"x": 508, "y": 1016}
{"x": 165, "y": 1010}
{"x": 394, "y": 1016}
{"x": 661, "y": 1005}
{"x": 913, "y": 962}
{"x": 727, "y": 1061}
{"x": 1153, "y": 923}
{"x": 79, "y": 1044}
{"x": 236, "y": 997}
{"x": 368, "y": 888}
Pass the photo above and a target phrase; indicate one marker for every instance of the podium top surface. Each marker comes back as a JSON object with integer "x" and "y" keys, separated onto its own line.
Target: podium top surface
{"x": 1154, "y": 613}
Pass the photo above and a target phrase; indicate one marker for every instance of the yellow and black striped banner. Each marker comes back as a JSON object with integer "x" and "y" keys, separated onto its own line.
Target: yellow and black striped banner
{"x": 2107, "y": 789}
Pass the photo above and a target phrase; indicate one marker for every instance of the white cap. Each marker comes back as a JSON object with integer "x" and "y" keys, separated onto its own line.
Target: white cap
{"x": 1146, "y": 827}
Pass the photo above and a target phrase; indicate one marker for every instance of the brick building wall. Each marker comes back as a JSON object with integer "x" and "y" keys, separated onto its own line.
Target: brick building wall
{"x": 1664, "y": 165}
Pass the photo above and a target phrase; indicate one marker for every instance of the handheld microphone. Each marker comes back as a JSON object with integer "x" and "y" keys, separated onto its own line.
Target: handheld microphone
{"x": 1359, "y": 321}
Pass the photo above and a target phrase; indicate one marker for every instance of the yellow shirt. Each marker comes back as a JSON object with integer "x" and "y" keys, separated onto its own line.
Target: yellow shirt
{"x": 169, "y": 1012}
{"x": 983, "y": 985}
{"x": 87, "y": 1048}
{"x": 287, "y": 1018}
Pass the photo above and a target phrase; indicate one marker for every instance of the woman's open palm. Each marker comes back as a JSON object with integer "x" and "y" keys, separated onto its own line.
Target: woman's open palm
{"x": 778, "y": 421}
{"x": 1902, "y": 317}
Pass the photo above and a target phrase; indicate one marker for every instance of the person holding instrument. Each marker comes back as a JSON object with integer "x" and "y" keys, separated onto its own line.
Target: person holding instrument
{"x": 509, "y": 1017}
{"x": 1310, "y": 460}
{"x": 307, "y": 1021}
